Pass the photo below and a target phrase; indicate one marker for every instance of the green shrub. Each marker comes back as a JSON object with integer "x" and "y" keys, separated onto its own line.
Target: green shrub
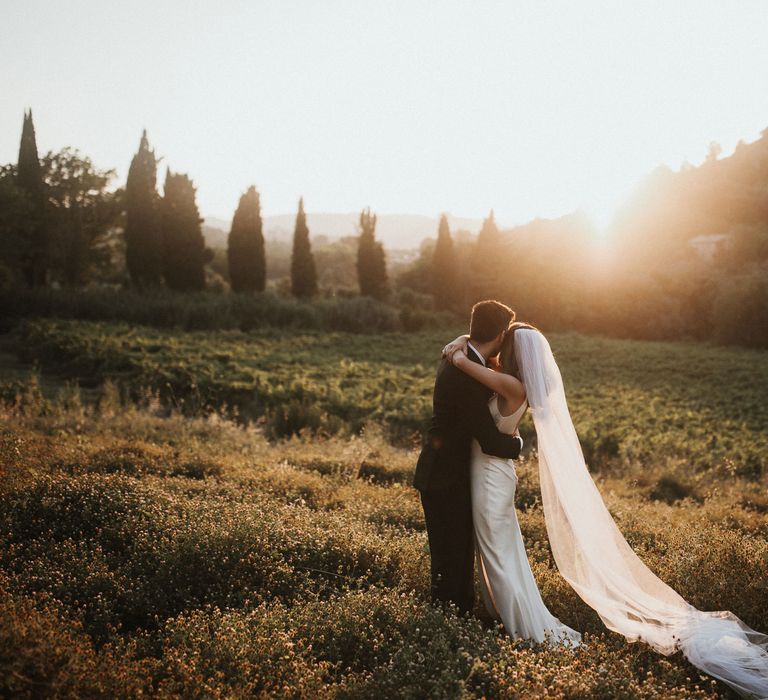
{"x": 47, "y": 654}
{"x": 670, "y": 490}
{"x": 206, "y": 310}
{"x": 124, "y": 552}
{"x": 387, "y": 643}
{"x": 740, "y": 310}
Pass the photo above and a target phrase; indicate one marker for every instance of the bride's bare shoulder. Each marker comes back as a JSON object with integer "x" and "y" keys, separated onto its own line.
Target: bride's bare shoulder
{"x": 513, "y": 387}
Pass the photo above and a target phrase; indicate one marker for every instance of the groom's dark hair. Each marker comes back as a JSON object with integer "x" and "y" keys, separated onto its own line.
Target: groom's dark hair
{"x": 489, "y": 318}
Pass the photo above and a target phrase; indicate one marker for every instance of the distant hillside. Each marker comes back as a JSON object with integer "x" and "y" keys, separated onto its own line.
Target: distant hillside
{"x": 706, "y": 200}
{"x": 397, "y": 231}
{"x": 699, "y": 203}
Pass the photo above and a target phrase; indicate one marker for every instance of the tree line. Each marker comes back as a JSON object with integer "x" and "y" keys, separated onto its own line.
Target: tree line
{"x": 686, "y": 257}
{"x": 59, "y": 222}
{"x": 63, "y": 224}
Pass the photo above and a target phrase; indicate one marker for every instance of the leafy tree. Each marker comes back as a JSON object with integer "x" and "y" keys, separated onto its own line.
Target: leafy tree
{"x": 184, "y": 251}
{"x": 143, "y": 235}
{"x": 371, "y": 260}
{"x": 245, "y": 246}
{"x": 16, "y": 226}
{"x": 35, "y": 256}
{"x": 444, "y": 287}
{"x": 336, "y": 264}
{"x": 82, "y": 214}
{"x": 418, "y": 275}
{"x": 303, "y": 272}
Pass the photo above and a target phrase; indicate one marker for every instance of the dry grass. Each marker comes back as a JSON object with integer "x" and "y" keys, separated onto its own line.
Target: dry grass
{"x": 191, "y": 557}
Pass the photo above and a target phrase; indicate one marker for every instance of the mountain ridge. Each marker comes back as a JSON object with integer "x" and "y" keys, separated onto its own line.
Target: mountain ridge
{"x": 396, "y": 231}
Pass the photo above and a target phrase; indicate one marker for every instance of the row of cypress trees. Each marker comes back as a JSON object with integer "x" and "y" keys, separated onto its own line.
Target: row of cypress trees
{"x": 245, "y": 250}
{"x": 56, "y": 215}
{"x": 164, "y": 240}
{"x": 443, "y": 272}
{"x": 163, "y": 235}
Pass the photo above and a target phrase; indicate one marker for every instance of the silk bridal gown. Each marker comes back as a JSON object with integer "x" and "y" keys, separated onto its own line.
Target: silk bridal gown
{"x": 507, "y": 583}
{"x": 588, "y": 547}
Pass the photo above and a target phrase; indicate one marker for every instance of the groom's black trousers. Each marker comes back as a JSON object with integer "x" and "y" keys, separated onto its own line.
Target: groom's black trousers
{"x": 448, "y": 515}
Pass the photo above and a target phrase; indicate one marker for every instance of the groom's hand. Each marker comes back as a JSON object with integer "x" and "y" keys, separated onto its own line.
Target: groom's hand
{"x": 459, "y": 343}
{"x": 519, "y": 448}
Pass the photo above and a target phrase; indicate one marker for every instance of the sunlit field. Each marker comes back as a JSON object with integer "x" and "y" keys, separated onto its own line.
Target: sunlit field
{"x": 228, "y": 514}
{"x": 234, "y": 238}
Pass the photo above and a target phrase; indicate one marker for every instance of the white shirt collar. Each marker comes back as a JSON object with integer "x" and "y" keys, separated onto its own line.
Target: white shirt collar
{"x": 477, "y": 352}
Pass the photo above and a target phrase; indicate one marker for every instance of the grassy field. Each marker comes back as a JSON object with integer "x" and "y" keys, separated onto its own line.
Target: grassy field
{"x": 153, "y": 541}
{"x": 669, "y": 405}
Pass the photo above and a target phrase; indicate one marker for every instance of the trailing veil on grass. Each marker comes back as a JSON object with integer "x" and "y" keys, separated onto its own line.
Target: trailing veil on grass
{"x": 596, "y": 560}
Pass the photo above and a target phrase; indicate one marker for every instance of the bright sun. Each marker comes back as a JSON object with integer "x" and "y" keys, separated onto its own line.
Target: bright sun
{"x": 602, "y": 212}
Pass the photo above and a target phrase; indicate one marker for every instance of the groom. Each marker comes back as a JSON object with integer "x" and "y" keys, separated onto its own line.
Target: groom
{"x": 460, "y": 413}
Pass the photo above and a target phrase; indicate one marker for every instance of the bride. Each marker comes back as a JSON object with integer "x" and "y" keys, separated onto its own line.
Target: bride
{"x": 590, "y": 551}
{"x": 509, "y": 589}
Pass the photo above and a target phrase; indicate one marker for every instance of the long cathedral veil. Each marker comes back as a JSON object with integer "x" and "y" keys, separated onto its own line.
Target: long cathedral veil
{"x": 596, "y": 560}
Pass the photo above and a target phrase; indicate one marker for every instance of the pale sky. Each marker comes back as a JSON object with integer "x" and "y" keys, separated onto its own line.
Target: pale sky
{"x": 533, "y": 108}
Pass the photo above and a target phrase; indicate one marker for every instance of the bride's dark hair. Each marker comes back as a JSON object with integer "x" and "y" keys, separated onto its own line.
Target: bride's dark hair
{"x": 507, "y": 357}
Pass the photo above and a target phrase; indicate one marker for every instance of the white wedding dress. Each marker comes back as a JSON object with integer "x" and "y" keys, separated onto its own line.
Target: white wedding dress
{"x": 507, "y": 583}
{"x": 596, "y": 560}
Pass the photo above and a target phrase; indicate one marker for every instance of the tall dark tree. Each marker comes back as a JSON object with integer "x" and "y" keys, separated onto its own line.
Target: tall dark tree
{"x": 488, "y": 238}
{"x": 143, "y": 236}
{"x": 82, "y": 215}
{"x": 184, "y": 251}
{"x": 444, "y": 283}
{"x": 245, "y": 246}
{"x": 35, "y": 259}
{"x": 371, "y": 260}
{"x": 303, "y": 272}
{"x": 16, "y": 227}
{"x": 486, "y": 260}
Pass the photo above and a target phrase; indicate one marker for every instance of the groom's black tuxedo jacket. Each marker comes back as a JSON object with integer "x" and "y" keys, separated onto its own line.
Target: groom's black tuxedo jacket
{"x": 459, "y": 413}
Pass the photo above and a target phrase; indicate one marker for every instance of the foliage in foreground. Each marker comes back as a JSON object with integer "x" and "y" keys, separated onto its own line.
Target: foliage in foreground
{"x": 189, "y": 557}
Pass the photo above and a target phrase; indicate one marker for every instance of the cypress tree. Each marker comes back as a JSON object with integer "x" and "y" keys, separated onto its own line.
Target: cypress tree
{"x": 444, "y": 268}
{"x": 488, "y": 239}
{"x": 184, "y": 251}
{"x": 485, "y": 259}
{"x": 143, "y": 236}
{"x": 15, "y": 228}
{"x": 371, "y": 260}
{"x": 303, "y": 273}
{"x": 35, "y": 258}
{"x": 245, "y": 246}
